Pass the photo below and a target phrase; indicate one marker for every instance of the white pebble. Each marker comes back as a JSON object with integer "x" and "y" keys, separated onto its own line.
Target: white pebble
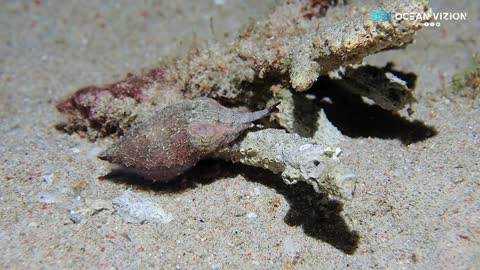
{"x": 47, "y": 178}
{"x": 338, "y": 151}
{"x": 33, "y": 224}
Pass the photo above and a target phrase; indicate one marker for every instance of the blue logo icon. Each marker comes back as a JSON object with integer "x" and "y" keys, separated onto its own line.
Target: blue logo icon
{"x": 380, "y": 16}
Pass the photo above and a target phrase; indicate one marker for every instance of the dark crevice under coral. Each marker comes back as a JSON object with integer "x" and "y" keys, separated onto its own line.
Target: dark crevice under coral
{"x": 356, "y": 118}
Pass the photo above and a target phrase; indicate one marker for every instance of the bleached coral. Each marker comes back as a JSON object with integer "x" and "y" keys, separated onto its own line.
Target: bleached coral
{"x": 300, "y": 114}
{"x": 288, "y": 50}
{"x": 383, "y": 87}
{"x": 288, "y": 47}
{"x": 295, "y": 158}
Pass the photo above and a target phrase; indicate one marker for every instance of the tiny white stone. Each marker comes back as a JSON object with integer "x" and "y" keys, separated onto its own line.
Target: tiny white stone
{"x": 33, "y": 224}
{"x": 338, "y": 151}
{"x": 47, "y": 178}
{"x": 48, "y": 198}
{"x": 93, "y": 153}
{"x": 290, "y": 247}
{"x": 257, "y": 191}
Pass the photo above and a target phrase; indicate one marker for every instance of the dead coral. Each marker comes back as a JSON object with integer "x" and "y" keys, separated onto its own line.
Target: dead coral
{"x": 300, "y": 114}
{"x": 384, "y": 88}
{"x": 286, "y": 53}
{"x": 295, "y": 158}
{"x": 287, "y": 48}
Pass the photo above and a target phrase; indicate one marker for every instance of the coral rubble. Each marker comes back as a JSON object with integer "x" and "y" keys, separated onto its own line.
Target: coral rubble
{"x": 272, "y": 60}
{"x": 295, "y": 158}
{"x": 290, "y": 47}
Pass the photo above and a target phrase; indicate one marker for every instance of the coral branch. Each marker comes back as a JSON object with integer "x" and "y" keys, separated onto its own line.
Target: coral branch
{"x": 293, "y": 46}
{"x": 296, "y": 158}
{"x": 387, "y": 90}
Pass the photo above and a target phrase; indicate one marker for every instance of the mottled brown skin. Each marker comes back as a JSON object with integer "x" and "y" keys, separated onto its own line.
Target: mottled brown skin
{"x": 179, "y": 136}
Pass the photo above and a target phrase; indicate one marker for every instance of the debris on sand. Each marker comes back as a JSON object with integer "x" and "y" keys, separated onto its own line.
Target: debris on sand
{"x": 136, "y": 209}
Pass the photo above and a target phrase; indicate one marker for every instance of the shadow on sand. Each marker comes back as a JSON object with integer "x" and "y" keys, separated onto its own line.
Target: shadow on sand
{"x": 318, "y": 216}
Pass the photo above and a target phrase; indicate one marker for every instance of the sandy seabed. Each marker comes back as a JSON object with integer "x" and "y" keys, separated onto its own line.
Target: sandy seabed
{"x": 416, "y": 205}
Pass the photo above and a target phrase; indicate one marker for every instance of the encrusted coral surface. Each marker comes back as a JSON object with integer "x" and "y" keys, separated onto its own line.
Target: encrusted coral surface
{"x": 290, "y": 47}
{"x": 288, "y": 51}
{"x": 295, "y": 158}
